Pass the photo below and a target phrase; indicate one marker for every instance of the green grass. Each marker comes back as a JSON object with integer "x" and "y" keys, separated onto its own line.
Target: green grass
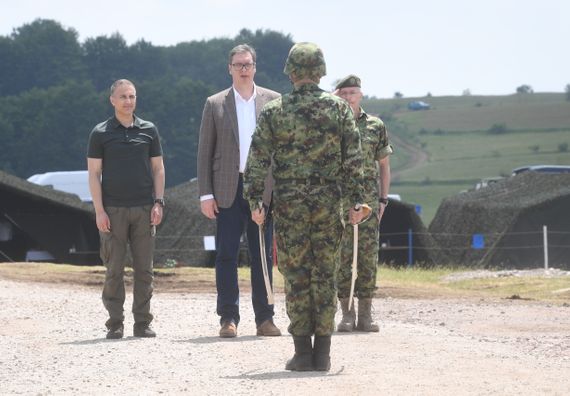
{"x": 431, "y": 282}
{"x": 428, "y": 196}
{"x": 535, "y": 288}
{"x": 460, "y": 149}
{"x": 543, "y": 111}
{"x": 478, "y": 155}
{"x": 413, "y": 275}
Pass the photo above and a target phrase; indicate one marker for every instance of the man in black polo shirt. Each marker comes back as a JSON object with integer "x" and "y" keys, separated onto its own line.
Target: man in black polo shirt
{"x": 126, "y": 179}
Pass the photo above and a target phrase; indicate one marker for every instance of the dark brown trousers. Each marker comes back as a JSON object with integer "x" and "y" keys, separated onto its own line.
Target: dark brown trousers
{"x": 129, "y": 227}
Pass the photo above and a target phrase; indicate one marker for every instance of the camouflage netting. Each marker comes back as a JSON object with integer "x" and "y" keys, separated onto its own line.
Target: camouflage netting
{"x": 181, "y": 235}
{"x": 398, "y": 219}
{"x": 41, "y": 218}
{"x": 510, "y": 214}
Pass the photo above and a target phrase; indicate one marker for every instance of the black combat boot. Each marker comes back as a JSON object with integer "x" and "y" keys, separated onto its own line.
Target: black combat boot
{"x": 322, "y": 353}
{"x": 303, "y": 358}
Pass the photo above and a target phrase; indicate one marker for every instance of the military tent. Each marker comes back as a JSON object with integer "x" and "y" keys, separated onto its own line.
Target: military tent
{"x": 39, "y": 222}
{"x": 502, "y": 225}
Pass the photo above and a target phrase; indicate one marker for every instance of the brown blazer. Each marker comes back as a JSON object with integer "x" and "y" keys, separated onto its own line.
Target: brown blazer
{"x": 218, "y": 147}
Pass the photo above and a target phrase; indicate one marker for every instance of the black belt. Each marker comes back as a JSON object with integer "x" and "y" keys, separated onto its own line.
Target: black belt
{"x": 312, "y": 181}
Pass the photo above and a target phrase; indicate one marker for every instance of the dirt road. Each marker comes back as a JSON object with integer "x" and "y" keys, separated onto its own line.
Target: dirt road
{"x": 52, "y": 342}
{"x": 418, "y": 157}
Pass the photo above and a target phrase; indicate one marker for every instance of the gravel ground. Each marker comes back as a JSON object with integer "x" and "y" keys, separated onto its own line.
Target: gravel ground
{"x": 52, "y": 341}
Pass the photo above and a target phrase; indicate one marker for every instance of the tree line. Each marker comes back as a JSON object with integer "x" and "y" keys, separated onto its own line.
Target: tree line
{"x": 54, "y": 89}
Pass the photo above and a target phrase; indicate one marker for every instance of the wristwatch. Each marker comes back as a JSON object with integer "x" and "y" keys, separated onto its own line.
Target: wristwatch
{"x": 383, "y": 201}
{"x": 159, "y": 201}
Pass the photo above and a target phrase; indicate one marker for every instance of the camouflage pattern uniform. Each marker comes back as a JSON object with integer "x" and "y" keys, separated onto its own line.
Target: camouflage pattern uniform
{"x": 310, "y": 140}
{"x": 375, "y": 146}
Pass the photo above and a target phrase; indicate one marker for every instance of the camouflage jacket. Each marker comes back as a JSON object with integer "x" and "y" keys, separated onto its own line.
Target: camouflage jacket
{"x": 375, "y": 146}
{"x": 307, "y": 133}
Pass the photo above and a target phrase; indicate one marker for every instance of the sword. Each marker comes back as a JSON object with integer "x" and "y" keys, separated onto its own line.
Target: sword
{"x": 264, "y": 267}
{"x": 354, "y": 264}
{"x": 367, "y": 213}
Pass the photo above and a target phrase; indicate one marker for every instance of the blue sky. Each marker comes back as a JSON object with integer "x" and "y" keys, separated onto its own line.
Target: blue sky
{"x": 440, "y": 46}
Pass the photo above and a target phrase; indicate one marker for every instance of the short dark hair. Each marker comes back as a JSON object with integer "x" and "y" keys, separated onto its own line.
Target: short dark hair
{"x": 239, "y": 49}
{"x": 120, "y": 82}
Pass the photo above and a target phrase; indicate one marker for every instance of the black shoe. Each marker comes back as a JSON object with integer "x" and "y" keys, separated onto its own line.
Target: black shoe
{"x": 322, "y": 353}
{"x": 303, "y": 358}
{"x": 115, "y": 332}
{"x": 143, "y": 330}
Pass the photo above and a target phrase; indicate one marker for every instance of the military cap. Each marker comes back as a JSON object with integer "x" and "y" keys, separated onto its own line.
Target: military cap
{"x": 349, "y": 81}
{"x": 306, "y": 60}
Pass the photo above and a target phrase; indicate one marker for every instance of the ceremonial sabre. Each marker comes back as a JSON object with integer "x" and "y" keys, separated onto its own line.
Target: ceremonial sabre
{"x": 354, "y": 264}
{"x": 367, "y": 213}
{"x": 264, "y": 267}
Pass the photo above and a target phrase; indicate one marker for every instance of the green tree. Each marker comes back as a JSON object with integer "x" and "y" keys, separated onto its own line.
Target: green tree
{"x": 44, "y": 54}
{"x": 57, "y": 90}
{"x": 524, "y": 89}
{"x": 175, "y": 106}
{"x": 47, "y": 129}
{"x": 105, "y": 59}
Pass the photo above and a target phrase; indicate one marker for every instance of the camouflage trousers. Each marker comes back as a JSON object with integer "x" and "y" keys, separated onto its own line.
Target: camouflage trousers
{"x": 308, "y": 232}
{"x": 368, "y": 245}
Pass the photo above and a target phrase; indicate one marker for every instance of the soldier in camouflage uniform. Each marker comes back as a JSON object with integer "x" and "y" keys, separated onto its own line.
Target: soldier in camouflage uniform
{"x": 375, "y": 151}
{"x": 310, "y": 141}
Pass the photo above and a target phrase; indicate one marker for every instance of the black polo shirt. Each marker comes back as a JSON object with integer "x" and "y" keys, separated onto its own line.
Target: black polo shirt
{"x": 126, "y": 152}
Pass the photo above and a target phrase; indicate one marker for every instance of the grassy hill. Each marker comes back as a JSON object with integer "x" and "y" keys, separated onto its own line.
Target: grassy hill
{"x": 468, "y": 138}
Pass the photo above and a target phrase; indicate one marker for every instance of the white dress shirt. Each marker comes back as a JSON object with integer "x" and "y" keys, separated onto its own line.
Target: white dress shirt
{"x": 245, "y": 110}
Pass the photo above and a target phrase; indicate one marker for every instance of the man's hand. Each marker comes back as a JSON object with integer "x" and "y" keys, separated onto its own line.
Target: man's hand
{"x": 156, "y": 214}
{"x": 103, "y": 222}
{"x": 356, "y": 216}
{"x": 258, "y": 216}
{"x": 209, "y": 208}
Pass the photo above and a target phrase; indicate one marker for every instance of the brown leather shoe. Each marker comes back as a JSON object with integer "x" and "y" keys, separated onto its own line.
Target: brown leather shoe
{"x": 268, "y": 329}
{"x": 228, "y": 330}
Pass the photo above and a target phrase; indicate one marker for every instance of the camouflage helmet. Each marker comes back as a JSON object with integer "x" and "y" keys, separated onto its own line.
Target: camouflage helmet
{"x": 306, "y": 60}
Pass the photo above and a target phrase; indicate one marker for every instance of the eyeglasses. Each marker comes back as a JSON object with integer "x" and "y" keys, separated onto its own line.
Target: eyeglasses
{"x": 241, "y": 66}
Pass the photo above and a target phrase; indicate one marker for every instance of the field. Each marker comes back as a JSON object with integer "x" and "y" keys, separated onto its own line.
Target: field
{"x": 468, "y": 138}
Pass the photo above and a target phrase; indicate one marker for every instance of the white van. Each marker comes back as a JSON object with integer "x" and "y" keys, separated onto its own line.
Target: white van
{"x": 74, "y": 182}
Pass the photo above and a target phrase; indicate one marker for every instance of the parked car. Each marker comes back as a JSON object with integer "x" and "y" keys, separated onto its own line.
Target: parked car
{"x": 487, "y": 181}
{"x": 418, "y": 105}
{"x": 74, "y": 182}
{"x": 542, "y": 169}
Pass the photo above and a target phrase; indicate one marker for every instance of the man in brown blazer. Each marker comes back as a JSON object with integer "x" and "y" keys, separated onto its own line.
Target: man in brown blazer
{"x": 228, "y": 122}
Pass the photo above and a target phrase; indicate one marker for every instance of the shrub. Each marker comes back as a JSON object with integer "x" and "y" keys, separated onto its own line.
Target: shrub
{"x": 563, "y": 147}
{"x": 497, "y": 129}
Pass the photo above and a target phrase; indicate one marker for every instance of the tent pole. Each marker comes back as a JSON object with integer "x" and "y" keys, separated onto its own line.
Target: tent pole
{"x": 545, "y": 240}
{"x": 410, "y": 248}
